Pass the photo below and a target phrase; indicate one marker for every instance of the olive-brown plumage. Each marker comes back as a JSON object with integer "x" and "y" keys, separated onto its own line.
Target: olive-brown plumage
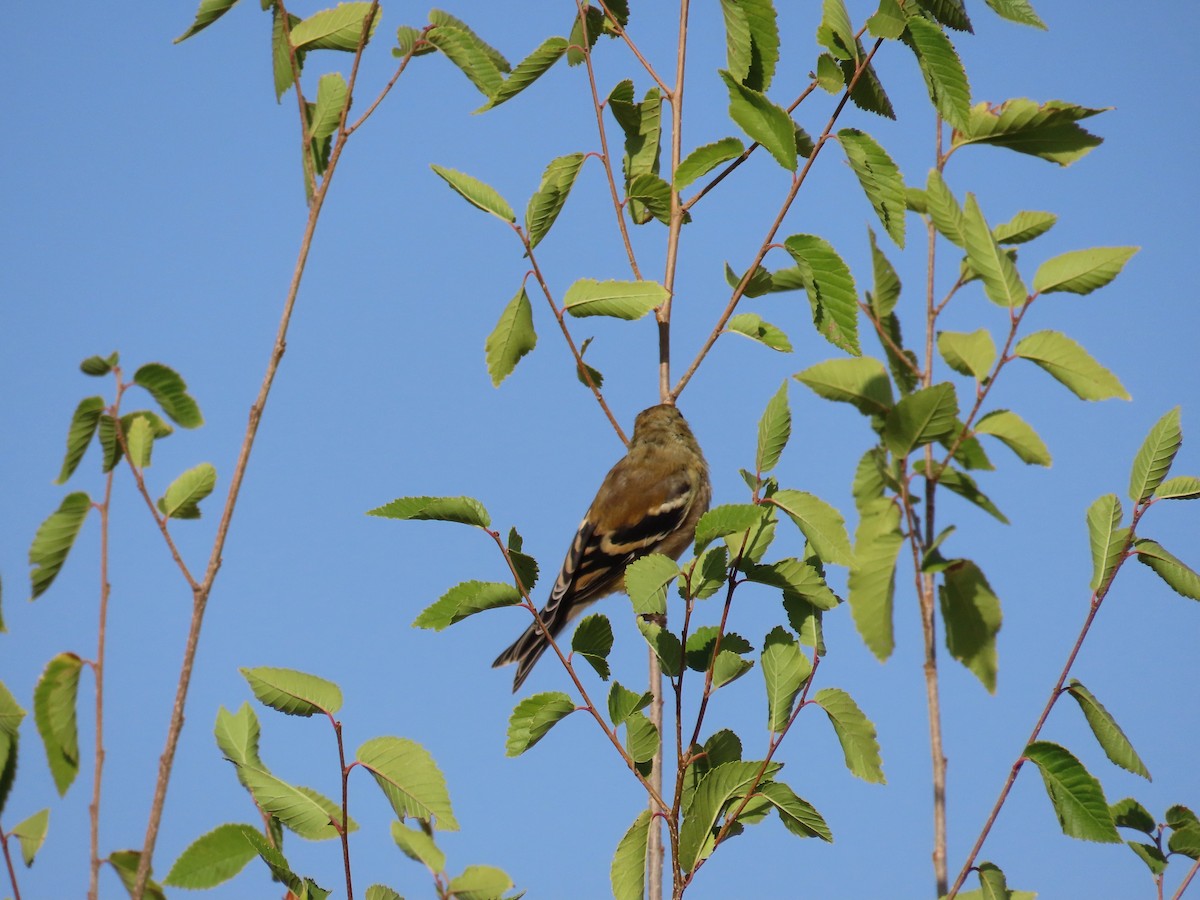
{"x": 649, "y": 502}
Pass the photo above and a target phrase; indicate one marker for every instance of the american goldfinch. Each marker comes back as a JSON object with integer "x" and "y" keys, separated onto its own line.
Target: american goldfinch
{"x": 649, "y": 502}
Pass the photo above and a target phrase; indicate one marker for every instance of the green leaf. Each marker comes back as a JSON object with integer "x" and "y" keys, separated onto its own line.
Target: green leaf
{"x": 479, "y": 883}
{"x": 944, "y": 211}
{"x": 1128, "y": 813}
{"x": 830, "y": 288}
{"x": 774, "y": 429}
{"x": 945, "y": 77}
{"x": 751, "y": 41}
{"x": 281, "y": 54}
{"x": 763, "y": 121}
{"x": 821, "y": 524}
{"x": 622, "y": 703}
{"x": 1082, "y": 271}
{"x": 533, "y": 717}
{"x": 466, "y": 599}
{"x": 880, "y": 179}
{"x": 54, "y": 539}
{"x": 125, "y": 864}
{"x": 181, "y": 501}
{"x": 829, "y": 74}
{"x": 1178, "y": 576}
{"x": 862, "y": 382}
{"x": 648, "y": 193}
{"x": 549, "y": 199}
{"x": 464, "y": 510}
{"x": 867, "y": 92}
{"x": 1015, "y": 433}
{"x": 511, "y": 339}
{"x": 170, "y": 392}
{"x": 1108, "y": 733}
{"x": 752, "y": 326}
{"x": 1001, "y": 282}
{"x": 704, "y": 159}
{"x": 476, "y": 193}
{"x": 872, "y": 580}
{"x": 971, "y": 613}
{"x": 620, "y": 299}
{"x": 968, "y": 353}
{"x": 140, "y": 438}
{"x": 1154, "y": 458}
{"x": 717, "y": 788}
{"x": 1185, "y": 841}
{"x": 11, "y": 715}
{"x": 887, "y": 283}
{"x": 1150, "y": 855}
{"x": 1047, "y": 131}
{"x": 1071, "y": 365}
{"x": 1077, "y": 797}
{"x": 294, "y": 693}
{"x": 527, "y": 71}
{"x": 720, "y": 521}
{"x": 703, "y": 641}
{"x": 1023, "y": 227}
{"x": 593, "y": 640}
{"x": 410, "y": 780}
{"x": 646, "y": 581}
{"x": 1179, "y": 817}
{"x": 888, "y": 21}
{"x": 628, "y": 870}
{"x": 835, "y": 32}
{"x": 212, "y": 859}
{"x": 295, "y": 807}
{"x": 209, "y": 12}
{"x": 593, "y": 20}
{"x": 1182, "y": 487}
{"x": 1017, "y": 11}
{"x": 31, "y": 832}
{"x": 665, "y": 645}
{"x": 855, "y": 732}
{"x": 641, "y": 738}
{"x": 331, "y": 99}
{"x": 798, "y": 816}
{"x": 642, "y": 126}
{"x": 785, "y": 668}
{"x": 921, "y": 418}
{"x": 339, "y": 28}
{"x": 54, "y": 701}
{"x": 100, "y": 365}
{"x": 442, "y": 18}
{"x": 237, "y": 737}
{"x": 419, "y": 847}
{"x": 704, "y": 574}
{"x": 964, "y": 485}
{"x": 1107, "y": 538}
{"x": 83, "y": 426}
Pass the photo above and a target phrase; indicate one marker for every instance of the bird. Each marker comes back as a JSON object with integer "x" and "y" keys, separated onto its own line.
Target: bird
{"x": 649, "y": 502}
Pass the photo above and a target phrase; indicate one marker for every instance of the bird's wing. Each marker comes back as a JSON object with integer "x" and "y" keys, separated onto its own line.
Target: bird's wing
{"x": 608, "y": 540}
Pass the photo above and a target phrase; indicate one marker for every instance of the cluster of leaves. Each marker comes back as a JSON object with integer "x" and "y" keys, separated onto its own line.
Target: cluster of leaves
{"x": 405, "y": 772}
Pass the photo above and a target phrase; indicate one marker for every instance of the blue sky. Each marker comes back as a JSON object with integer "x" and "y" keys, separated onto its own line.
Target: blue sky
{"x": 154, "y": 206}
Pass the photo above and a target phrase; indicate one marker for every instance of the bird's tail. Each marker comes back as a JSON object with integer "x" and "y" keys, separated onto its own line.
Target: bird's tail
{"x": 528, "y": 648}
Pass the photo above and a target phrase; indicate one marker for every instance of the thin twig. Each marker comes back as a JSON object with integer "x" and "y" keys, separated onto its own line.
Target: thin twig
{"x": 797, "y": 183}
{"x": 344, "y": 828}
{"x": 202, "y": 592}
{"x": 619, "y": 30}
{"x": 1187, "y": 879}
{"x": 1055, "y": 693}
{"x": 12, "y": 873}
{"x": 605, "y": 156}
{"x": 98, "y": 674}
{"x": 350, "y": 129}
{"x": 560, "y": 317}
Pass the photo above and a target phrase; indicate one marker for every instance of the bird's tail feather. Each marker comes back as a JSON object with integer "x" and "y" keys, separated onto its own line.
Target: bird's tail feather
{"x": 525, "y": 651}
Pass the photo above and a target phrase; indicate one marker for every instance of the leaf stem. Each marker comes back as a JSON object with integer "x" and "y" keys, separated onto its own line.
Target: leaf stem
{"x": 12, "y": 873}
{"x": 98, "y": 673}
{"x": 344, "y": 829}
